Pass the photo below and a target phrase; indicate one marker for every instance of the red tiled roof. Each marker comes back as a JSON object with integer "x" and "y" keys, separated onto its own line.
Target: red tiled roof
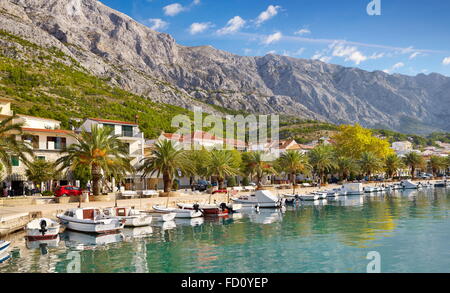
{"x": 62, "y": 131}
{"x": 113, "y": 121}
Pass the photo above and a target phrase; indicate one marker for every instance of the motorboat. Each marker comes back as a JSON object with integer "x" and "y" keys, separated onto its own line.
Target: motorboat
{"x": 162, "y": 217}
{"x": 408, "y": 184}
{"x": 131, "y": 216}
{"x": 262, "y": 198}
{"x": 370, "y": 189}
{"x": 179, "y": 213}
{"x": 321, "y": 194}
{"x": 340, "y": 191}
{"x": 207, "y": 209}
{"x": 90, "y": 220}
{"x": 4, "y": 247}
{"x": 442, "y": 183}
{"x": 308, "y": 197}
{"x": 353, "y": 188}
{"x": 42, "y": 229}
{"x": 331, "y": 193}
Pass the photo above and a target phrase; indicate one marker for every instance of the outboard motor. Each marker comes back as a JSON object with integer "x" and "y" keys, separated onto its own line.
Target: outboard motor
{"x": 196, "y": 207}
{"x": 43, "y": 225}
{"x": 223, "y": 207}
{"x": 257, "y": 208}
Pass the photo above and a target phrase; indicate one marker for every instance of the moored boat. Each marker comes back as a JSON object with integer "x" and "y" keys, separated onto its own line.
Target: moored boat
{"x": 42, "y": 229}
{"x": 262, "y": 198}
{"x": 131, "y": 216}
{"x": 179, "y": 213}
{"x": 309, "y": 197}
{"x": 408, "y": 184}
{"x": 207, "y": 209}
{"x": 90, "y": 220}
{"x": 4, "y": 246}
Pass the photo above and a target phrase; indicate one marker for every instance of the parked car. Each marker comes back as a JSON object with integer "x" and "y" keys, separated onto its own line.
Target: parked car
{"x": 68, "y": 190}
{"x": 201, "y": 185}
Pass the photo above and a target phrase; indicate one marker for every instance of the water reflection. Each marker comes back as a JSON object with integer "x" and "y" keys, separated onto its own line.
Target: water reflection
{"x": 331, "y": 236}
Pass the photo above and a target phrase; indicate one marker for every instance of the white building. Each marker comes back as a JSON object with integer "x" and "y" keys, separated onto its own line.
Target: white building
{"x": 402, "y": 146}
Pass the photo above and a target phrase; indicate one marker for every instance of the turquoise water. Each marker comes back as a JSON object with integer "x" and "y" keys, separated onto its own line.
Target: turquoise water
{"x": 410, "y": 230}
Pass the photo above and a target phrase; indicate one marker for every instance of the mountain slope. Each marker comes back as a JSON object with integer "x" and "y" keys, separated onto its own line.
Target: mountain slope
{"x": 129, "y": 55}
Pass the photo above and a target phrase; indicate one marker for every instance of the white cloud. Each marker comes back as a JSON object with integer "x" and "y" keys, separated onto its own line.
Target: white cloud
{"x": 272, "y": 38}
{"x": 299, "y": 52}
{"x": 196, "y": 2}
{"x": 350, "y": 53}
{"x": 394, "y": 67}
{"x": 173, "y": 9}
{"x": 233, "y": 26}
{"x": 320, "y": 56}
{"x": 272, "y": 52}
{"x": 446, "y": 61}
{"x": 199, "y": 27}
{"x": 414, "y": 55}
{"x": 303, "y": 31}
{"x": 376, "y": 56}
{"x": 157, "y": 24}
{"x": 269, "y": 13}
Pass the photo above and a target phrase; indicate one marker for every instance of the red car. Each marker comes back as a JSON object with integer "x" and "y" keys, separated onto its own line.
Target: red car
{"x": 68, "y": 190}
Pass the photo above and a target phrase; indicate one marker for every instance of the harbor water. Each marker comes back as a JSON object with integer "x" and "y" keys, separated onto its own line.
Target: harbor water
{"x": 408, "y": 231}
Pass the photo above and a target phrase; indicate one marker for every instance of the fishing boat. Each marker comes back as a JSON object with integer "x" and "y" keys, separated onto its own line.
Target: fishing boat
{"x": 262, "y": 198}
{"x": 131, "y": 216}
{"x": 408, "y": 184}
{"x": 90, "y": 220}
{"x": 208, "y": 209}
{"x": 42, "y": 229}
{"x": 180, "y": 213}
{"x": 308, "y": 197}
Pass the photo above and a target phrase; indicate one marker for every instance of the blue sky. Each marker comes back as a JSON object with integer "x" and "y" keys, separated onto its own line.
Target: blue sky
{"x": 409, "y": 37}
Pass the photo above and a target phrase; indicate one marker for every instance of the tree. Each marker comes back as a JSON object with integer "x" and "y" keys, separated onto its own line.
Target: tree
{"x": 221, "y": 164}
{"x": 10, "y": 146}
{"x": 370, "y": 163}
{"x": 392, "y": 164}
{"x": 346, "y": 166}
{"x": 253, "y": 164}
{"x": 40, "y": 171}
{"x": 168, "y": 159}
{"x": 353, "y": 141}
{"x": 293, "y": 163}
{"x": 99, "y": 150}
{"x": 437, "y": 164}
{"x": 322, "y": 160}
{"x": 414, "y": 161}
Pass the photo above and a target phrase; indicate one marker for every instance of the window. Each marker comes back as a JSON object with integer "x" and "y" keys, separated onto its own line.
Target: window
{"x": 15, "y": 162}
{"x": 41, "y": 158}
{"x": 60, "y": 142}
{"x": 127, "y": 131}
{"x": 34, "y": 139}
{"x": 110, "y": 126}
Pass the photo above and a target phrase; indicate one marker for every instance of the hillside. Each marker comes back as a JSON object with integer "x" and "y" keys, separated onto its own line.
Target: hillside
{"x": 127, "y": 55}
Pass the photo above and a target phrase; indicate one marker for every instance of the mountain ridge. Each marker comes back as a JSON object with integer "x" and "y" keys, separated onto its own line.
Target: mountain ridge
{"x": 112, "y": 45}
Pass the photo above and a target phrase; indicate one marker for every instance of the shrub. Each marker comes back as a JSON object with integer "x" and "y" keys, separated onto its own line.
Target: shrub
{"x": 231, "y": 182}
{"x": 245, "y": 181}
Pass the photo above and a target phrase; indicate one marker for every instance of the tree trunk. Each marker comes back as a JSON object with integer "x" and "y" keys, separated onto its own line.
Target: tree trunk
{"x": 413, "y": 170}
{"x": 167, "y": 182}
{"x": 220, "y": 182}
{"x": 293, "y": 182}
{"x": 96, "y": 176}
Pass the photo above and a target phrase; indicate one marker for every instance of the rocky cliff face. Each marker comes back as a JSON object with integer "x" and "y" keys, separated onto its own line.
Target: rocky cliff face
{"x": 138, "y": 59}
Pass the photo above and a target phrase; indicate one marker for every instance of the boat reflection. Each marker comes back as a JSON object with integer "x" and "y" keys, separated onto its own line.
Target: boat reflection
{"x": 43, "y": 245}
{"x": 168, "y": 225}
{"x": 190, "y": 222}
{"x": 88, "y": 241}
{"x": 138, "y": 232}
{"x": 266, "y": 216}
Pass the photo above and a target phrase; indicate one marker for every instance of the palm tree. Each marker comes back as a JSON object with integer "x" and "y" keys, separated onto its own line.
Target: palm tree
{"x": 346, "y": 166}
{"x": 321, "y": 159}
{"x": 294, "y": 162}
{"x": 436, "y": 164}
{"x": 221, "y": 165}
{"x": 414, "y": 161}
{"x": 40, "y": 171}
{"x": 253, "y": 163}
{"x": 370, "y": 163}
{"x": 392, "y": 164}
{"x": 101, "y": 151}
{"x": 167, "y": 159}
{"x": 10, "y": 146}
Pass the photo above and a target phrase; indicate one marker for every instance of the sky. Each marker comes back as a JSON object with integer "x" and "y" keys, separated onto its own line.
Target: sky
{"x": 409, "y": 37}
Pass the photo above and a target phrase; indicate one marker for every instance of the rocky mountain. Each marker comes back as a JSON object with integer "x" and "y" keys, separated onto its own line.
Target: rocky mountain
{"x": 130, "y": 55}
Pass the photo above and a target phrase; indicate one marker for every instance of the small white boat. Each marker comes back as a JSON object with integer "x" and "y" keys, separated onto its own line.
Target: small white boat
{"x": 162, "y": 217}
{"x": 340, "y": 191}
{"x": 207, "y": 209}
{"x": 90, "y": 220}
{"x": 321, "y": 194}
{"x": 179, "y": 213}
{"x": 408, "y": 184}
{"x": 370, "y": 189}
{"x": 42, "y": 229}
{"x": 132, "y": 217}
{"x": 262, "y": 198}
{"x": 353, "y": 188}
{"x": 309, "y": 197}
{"x": 331, "y": 193}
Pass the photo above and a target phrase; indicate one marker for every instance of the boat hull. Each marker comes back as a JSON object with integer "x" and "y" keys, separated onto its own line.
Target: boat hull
{"x": 179, "y": 213}
{"x": 260, "y": 204}
{"x": 4, "y": 245}
{"x": 98, "y": 227}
